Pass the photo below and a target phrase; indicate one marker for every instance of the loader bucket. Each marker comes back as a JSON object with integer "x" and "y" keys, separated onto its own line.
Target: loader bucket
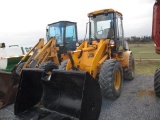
{"x": 7, "y": 90}
{"x": 73, "y": 93}
{"x": 8, "y": 81}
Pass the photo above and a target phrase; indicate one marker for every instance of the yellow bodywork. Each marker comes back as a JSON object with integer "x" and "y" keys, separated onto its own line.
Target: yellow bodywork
{"x": 103, "y": 11}
{"x": 48, "y": 52}
{"x": 89, "y": 58}
{"x": 42, "y": 53}
{"x": 45, "y": 52}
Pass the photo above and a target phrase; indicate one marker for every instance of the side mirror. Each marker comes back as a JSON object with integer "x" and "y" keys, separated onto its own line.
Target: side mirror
{"x": 47, "y": 34}
{"x": 121, "y": 18}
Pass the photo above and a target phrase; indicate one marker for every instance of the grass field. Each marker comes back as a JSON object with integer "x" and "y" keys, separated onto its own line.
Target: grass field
{"x": 146, "y": 67}
{"x": 142, "y": 51}
{"x": 145, "y": 51}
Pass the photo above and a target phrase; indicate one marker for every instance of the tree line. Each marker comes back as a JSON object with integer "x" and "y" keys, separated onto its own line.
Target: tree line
{"x": 135, "y": 39}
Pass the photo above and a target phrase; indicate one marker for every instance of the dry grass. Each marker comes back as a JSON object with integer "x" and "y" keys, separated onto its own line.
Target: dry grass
{"x": 146, "y": 51}
{"x": 146, "y": 67}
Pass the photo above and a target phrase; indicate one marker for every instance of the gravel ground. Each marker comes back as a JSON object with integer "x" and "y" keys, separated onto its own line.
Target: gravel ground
{"x": 137, "y": 102}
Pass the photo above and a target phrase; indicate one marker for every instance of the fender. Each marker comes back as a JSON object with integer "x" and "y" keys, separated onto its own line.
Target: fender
{"x": 125, "y": 61}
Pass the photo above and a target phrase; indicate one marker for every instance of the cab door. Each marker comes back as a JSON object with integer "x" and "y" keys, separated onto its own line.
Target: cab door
{"x": 119, "y": 33}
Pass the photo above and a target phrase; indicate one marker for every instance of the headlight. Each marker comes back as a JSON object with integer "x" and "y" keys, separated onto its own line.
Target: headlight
{"x": 112, "y": 43}
{"x": 77, "y": 44}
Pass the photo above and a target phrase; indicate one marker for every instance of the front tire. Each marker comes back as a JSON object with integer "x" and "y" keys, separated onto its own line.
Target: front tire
{"x": 16, "y": 73}
{"x": 110, "y": 79}
{"x": 157, "y": 82}
{"x": 48, "y": 66}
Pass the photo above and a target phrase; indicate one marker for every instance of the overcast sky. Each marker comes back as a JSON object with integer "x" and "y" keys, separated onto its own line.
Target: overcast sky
{"x": 23, "y": 22}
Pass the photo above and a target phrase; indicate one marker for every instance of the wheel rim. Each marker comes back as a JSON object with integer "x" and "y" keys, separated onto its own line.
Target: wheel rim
{"x": 117, "y": 79}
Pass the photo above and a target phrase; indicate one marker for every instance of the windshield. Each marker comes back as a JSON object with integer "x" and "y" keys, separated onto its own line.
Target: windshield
{"x": 57, "y": 30}
{"x": 70, "y": 35}
{"x": 102, "y": 26}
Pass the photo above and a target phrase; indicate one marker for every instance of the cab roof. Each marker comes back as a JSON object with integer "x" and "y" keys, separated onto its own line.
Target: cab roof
{"x": 103, "y": 11}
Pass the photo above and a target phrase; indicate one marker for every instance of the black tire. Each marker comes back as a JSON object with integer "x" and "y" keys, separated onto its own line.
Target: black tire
{"x": 157, "y": 70}
{"x": 16, "y": 74}
{"x": 157, "y": 82}
{"x": 19, "y": 68}
{"x": 128, "y": 73}
{"x": 110, "y": 85}
{"x": 63, "y": 65}
{"x": 48, "y": 66}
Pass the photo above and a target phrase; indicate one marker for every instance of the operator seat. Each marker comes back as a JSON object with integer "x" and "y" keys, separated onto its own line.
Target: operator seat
{"x": 108, "y": 33}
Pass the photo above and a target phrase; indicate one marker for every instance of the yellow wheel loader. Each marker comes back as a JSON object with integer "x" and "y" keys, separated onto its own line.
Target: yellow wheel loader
{"x": 61, "y": 37}
{"x": 95, "y": 69}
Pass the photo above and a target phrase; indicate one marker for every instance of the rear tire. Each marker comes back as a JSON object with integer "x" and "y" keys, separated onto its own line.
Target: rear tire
{"x": 128, "y": 73}
{"x": 157, "y": 82}
{"x": 110, "y": 79}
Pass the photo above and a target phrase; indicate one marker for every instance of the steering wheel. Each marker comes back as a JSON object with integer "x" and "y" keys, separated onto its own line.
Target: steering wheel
{"x": 57, "y": 36}
{"x": 99, "y": 32}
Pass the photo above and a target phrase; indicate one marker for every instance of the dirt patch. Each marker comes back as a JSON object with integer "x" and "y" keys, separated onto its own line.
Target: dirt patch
{"x": 142, "y": 93}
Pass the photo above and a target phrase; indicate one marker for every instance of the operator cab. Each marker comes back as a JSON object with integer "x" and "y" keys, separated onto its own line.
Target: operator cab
{"x": 107, "y": 24}
{"x": 65, "y": 33}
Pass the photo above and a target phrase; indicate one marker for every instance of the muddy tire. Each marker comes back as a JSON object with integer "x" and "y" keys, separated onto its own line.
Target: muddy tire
{"x": 48, "y": 66}
{"x": 128, "y": 73}
{"x": 157, "y": 82}
{"x": 63, "y": 65}
{"x": 110, "y": 79}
